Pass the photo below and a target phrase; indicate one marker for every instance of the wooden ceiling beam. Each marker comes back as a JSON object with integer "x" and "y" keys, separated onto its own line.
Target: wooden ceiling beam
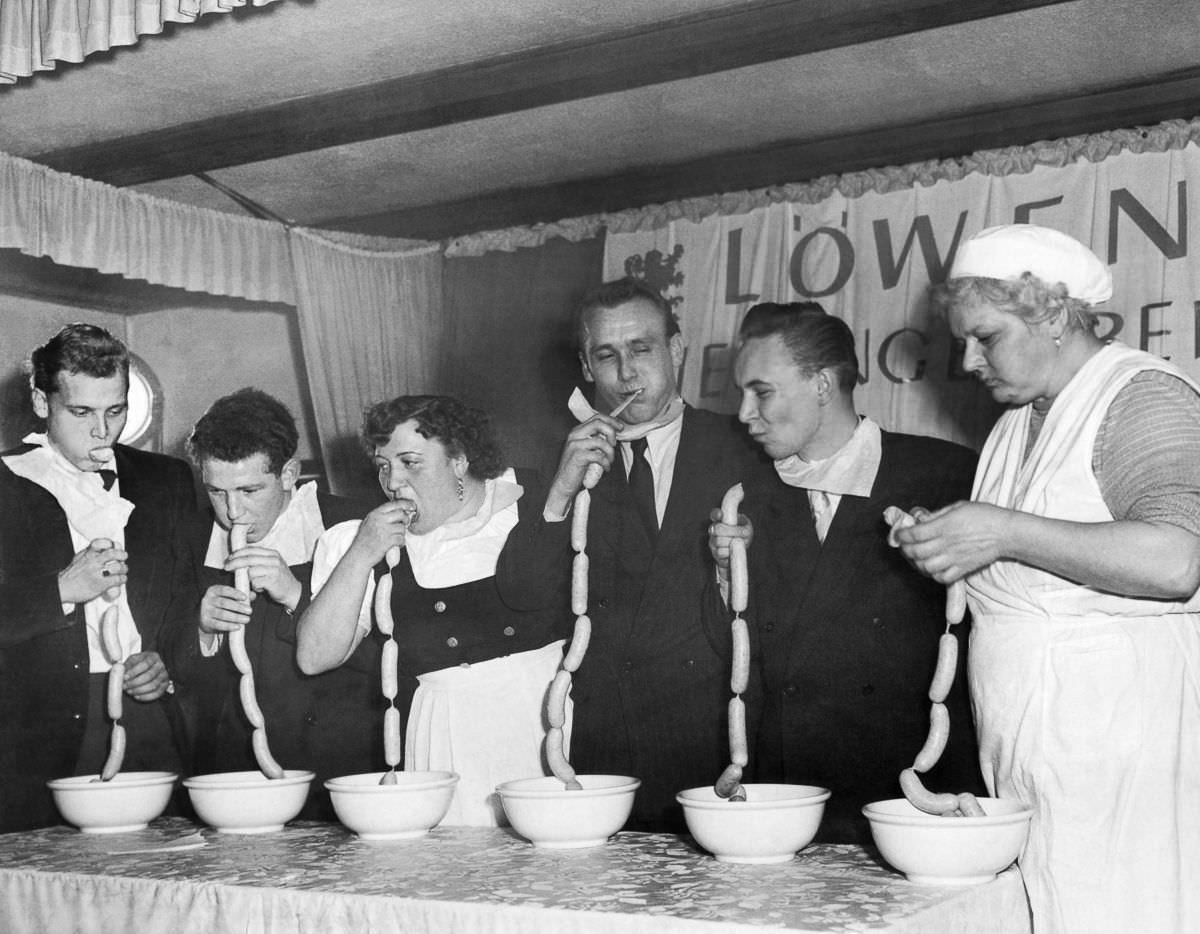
{"x": 1174, "y": 96}
{"x": 698, "y": 44}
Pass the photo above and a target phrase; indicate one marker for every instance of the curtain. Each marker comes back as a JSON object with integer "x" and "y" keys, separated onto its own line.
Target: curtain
{"x": 371, "y": 328}
{"x": 35, "y": 35}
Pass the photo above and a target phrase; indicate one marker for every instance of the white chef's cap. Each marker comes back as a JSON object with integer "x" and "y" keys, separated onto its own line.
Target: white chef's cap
{"x": 1007, "y": 251}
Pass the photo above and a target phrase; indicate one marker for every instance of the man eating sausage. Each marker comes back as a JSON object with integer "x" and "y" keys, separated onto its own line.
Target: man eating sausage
{"x": 845, "y": 636}
{"x": 87, "y": 527}
{"x": 650, "y": 695}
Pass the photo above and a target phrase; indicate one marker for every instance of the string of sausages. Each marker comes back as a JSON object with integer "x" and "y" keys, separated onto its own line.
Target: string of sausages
{"x": 116, "y": 689}
{"x": 948, "y": 804}
{"x": 560, "y": 687}
{"x": 729, "y": 784}
{"x": 389, "y": 668}
{"x": 237, "y": 649}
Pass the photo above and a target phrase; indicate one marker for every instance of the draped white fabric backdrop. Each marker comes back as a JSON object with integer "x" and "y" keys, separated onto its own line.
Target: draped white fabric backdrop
{"x": 870, "y": 259}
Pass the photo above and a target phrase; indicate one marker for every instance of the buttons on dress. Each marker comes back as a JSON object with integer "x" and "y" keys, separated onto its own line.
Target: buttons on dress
{"x": 509, "y": 631}
{"x": 452, "y": 642}
{"x": 440, "y": 606}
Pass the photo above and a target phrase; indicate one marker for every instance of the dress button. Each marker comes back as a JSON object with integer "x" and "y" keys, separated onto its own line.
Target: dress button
{"x": 768, "y": 627}
{"x": 452, "y": 642}
{"x": 76, "y": 666}
{"x": 509, "y": 631}
{"x": 790, "y": 690}
{"x": 602, "y": 603}
{"x": 310, "y": 720}
{"x": 440, "y": 606}
{"x": 76, "y": 716}
{"x": 628, "y": 666}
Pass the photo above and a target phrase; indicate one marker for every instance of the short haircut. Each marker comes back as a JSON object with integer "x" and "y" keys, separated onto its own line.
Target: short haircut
{"x": 461, "y": 429}
{"x": 242, "y": 424}
{"x": 1029, "y": 298}
{"x": 78, "y": 348}
{"x": 618, "y": 292}
{"x": 816, "y": 340}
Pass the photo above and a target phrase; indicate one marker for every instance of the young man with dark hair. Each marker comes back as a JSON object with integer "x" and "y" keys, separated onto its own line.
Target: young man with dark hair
{"x": 87, "y": 526}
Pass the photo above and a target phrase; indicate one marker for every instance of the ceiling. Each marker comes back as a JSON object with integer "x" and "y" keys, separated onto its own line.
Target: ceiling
{"x": 434, "y": 118}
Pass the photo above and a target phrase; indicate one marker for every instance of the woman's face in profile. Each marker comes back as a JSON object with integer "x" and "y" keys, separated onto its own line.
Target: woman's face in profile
{"x": 418, "y": 469}
{"x": 1013, "y": 359}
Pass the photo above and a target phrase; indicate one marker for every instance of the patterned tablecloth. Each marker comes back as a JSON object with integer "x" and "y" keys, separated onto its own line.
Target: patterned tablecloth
{"x": 320, "y": 878}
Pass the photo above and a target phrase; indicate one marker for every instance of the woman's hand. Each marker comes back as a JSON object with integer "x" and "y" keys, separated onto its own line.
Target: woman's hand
{"x": 384, "y": 527}
{"x": 954, "y": 541}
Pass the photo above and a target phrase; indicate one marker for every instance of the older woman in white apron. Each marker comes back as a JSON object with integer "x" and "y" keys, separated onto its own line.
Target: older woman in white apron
{"x": 1081, "y": 553}
{"x": 478, "y": 633}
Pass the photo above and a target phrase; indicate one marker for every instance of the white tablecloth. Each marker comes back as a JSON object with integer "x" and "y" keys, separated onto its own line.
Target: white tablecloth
{"x": 319, "y": 878}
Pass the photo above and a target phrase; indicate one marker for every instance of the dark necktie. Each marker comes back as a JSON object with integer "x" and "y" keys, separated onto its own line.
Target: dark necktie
{"x": 109, "y": 477}
{"x": 641, "y": 486}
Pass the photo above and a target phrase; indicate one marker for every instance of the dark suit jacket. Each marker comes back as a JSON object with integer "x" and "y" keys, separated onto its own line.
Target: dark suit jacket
{"x": 847, "y": 636}
{"x": 331, "y": 723}
{"x": 44, "y": 654}
{"x": 651, "y": 695}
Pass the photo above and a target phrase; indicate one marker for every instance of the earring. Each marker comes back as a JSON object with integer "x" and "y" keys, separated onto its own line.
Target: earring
{"x": 460, "y": 489}
{"x": 1058, "y": 342}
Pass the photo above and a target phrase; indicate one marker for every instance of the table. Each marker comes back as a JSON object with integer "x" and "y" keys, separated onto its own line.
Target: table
{"x": 320, "y": 878}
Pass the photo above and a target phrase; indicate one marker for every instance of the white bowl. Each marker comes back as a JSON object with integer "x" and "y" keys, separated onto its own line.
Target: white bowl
{"x": 546, "y": 814}
{"x": 128, "y": 802}
{"x": 410, "y": 808}
{"x": 768, "y": 827}
{"x": 934, "y": 850}
{"x": 248, "y": 802}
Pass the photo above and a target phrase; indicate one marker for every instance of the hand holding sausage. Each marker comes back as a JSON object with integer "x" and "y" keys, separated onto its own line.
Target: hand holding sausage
{"x": 98, "y": 568}
{"x": 268, "y": 572}
{"x": 223, "y": 609}
{"x": 588, "y": 443}
{"x": 385, "y": 527}
{"x": 957, "y": 540}
{"x": 720, "y": 534}
{"x": 146, "y": 677}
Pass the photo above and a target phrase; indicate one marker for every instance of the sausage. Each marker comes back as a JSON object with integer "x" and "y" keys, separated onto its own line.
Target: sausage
{"x": 740, "y": 678}
{"x": 738, "y": 752}
{"x": 579, "y": 520}
{"x": 116, "y": 690}
{"x": 237, "y": 649}
{"x": 730, "y": 502}
{"x": 389, "y": 777}
{"x": 383, "y": 605}
{"x": 556, "y": 699}
{"x": 935, "y": 742}
{"x": 970, "y": 806}
{"x": 730, "y": 781}
{"x": 922, "y": 799}
{"x": 739, "y": 583}
{"x": 579, "y": 584}
{"x": 947, "y": 664}
{"x": 389, "y": 660}
{"x": 109, "y": 636}
{"x": 557, "y": 761}
{"x": 956, "y": 603}
{"x": 391, "y": 737}
{"x": 592, "y": 475}
{"x": 250, "y": 701}
{"x": 579, "y": 644}
{"x": 392, "y": 557}
{"x": 116, "y": 753}
{"x": 262, "y": 755}
{"x": 237, "y": 541}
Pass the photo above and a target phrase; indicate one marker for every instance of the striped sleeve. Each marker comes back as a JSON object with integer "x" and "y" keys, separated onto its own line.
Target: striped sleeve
{"x": 1147, "y": 454}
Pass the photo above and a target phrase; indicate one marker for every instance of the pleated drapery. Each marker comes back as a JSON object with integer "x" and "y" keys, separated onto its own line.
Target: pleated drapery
{"x": 369, "y": 308}
{"x": 372, "y": 328}
{"x": 35, "y": 35}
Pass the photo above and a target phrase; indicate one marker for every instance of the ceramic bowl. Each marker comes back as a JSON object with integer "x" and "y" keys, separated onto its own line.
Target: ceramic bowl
{"x": 548, "y": 815}
{"x": 410, "y": 808}
{"x": 248, "y": 802}
{"x": 128, "y": 802}
{"x": 768, "y": 827}
{"x": 934, "y": 850}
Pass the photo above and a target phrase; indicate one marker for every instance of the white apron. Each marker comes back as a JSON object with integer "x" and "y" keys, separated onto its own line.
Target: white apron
{"x": 1087, "y": 704}
{"x": 483, "y": 721}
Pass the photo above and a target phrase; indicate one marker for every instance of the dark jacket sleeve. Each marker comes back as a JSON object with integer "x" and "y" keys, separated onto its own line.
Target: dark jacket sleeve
{"x": 534, "y": 568}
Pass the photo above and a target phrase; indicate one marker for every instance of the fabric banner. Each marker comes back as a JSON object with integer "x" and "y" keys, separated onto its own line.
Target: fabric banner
{"x": 870, "y": 260}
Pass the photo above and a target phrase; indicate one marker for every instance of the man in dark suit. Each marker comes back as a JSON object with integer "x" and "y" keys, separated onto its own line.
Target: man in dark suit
{"x": 332, "y": 723}
{"x": 846, "y": 635}
{"x": 87, "y": 526}
{"x": 651, "y": 694}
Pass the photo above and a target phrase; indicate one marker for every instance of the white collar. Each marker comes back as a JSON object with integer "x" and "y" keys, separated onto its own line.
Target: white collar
{"x": 849, "y": 471}
{"x": 583, "y": 410}
{"x": 293, "y": 535}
